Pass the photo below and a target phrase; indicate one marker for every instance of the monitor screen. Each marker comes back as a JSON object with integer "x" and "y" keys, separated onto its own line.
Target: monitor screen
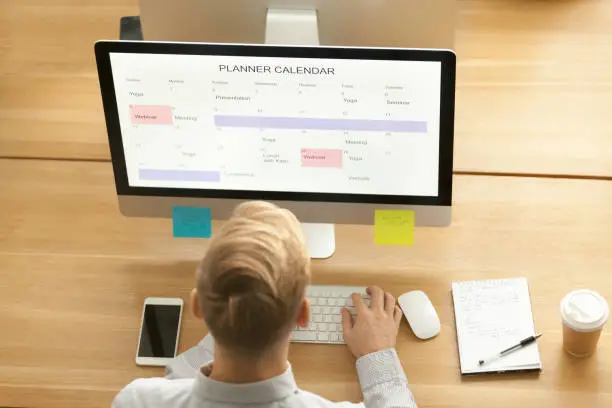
{"x": 279, "y": 124}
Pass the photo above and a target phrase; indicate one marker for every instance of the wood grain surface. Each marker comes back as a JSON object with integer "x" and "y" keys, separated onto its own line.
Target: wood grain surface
{"x": 533, "y": 91}
{"x": 74, "y": 274}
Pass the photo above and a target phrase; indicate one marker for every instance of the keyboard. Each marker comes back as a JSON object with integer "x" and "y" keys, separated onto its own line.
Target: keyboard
{"x": 326, "y": 303}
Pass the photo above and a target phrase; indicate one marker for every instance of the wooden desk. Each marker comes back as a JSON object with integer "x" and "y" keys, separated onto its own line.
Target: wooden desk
{"x": 50, "y": 103}
{"x": 534, "y": 83}
{"x": 74, "y": 273}
{"x": 533, "y": 87}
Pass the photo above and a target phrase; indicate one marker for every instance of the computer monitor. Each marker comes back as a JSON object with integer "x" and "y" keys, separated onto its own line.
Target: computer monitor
{"x": 374, "y": 23}
{"x": 330, "y": 133}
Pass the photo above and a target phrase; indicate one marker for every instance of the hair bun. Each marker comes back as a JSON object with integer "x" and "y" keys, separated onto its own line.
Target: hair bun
{"x": 251, "y": 281}
{"x": 243, "y": 310}
{"x": 240, "y": 282}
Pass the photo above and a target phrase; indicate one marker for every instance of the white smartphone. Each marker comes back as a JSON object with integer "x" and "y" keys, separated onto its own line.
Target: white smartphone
{"x": 159, "y": 331}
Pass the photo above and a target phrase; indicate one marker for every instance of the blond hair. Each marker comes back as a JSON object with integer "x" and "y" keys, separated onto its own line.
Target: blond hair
{"x": 252, "y": 279}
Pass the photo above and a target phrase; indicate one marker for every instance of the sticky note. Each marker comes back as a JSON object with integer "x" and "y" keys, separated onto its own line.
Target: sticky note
{"x": 191, "y": 222}
{"x": 393, "y": 227}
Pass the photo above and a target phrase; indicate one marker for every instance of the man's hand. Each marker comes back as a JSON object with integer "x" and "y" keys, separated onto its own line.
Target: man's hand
{"x": 374, "y": 328}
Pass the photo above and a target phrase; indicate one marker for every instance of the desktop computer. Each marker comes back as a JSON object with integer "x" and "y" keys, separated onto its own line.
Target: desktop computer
{"x": 331, "y": 133}
{"x": 389, "y": 23}
{"x": 375, "y": 23}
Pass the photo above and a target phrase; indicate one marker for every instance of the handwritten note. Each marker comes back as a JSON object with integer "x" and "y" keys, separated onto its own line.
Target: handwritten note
{"x": 491, "y": 316}
{"x": 191, "y": 222}
{"x": 393, "y": 227}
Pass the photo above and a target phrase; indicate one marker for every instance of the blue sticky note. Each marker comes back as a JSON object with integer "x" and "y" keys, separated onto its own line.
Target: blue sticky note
{"x": 191, "y": 222}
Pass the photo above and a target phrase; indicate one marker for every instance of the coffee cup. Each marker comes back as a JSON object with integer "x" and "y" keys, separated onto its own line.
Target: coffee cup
{"x": 584, "y": 314}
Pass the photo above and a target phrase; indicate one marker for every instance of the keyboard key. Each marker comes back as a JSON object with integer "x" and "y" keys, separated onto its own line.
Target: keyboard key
{"x": 327, "y": 302}
{"x": 367, "y": 302}
{"x": 304, "y": 336}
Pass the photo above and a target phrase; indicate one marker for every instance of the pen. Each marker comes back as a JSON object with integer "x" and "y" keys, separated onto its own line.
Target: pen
{"x": 518, "y": 346}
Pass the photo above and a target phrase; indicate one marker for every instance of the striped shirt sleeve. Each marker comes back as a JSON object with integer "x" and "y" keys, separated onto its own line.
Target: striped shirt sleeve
{"x": 383, "y": 381}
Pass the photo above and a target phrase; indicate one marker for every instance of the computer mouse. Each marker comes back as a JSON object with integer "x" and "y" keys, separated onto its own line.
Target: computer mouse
{"x": 420, "y": 313}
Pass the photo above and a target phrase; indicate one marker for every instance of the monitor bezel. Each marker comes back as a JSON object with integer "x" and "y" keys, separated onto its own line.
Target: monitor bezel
{"x": 447, "y": 58}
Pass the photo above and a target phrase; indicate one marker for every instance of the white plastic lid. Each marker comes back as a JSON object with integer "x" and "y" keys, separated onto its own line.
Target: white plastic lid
{"x": 584, "y": 310}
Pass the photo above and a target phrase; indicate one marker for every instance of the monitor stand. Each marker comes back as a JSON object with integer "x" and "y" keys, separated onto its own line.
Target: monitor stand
{"x": 320, "y": 238}
{"x": 300, "y": 27}
{"x": 292, "y": 27}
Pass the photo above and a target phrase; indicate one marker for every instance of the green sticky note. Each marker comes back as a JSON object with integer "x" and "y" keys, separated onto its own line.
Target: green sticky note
{"x": 394, "y": 227}
{"x": 191, "y": 222}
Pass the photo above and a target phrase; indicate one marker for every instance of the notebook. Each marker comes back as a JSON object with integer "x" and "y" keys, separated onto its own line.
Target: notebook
{"x": 490, "y": 316}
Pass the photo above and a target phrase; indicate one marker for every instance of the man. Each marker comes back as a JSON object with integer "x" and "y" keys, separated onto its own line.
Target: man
{"x": 251, "y": 294}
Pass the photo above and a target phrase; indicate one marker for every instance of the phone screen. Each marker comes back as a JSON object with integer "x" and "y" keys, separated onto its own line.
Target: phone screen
{"x": 159, "y": 331}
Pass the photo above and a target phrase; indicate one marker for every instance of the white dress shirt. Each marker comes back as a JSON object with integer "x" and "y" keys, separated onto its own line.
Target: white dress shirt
{"x": 381, "y": 376}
